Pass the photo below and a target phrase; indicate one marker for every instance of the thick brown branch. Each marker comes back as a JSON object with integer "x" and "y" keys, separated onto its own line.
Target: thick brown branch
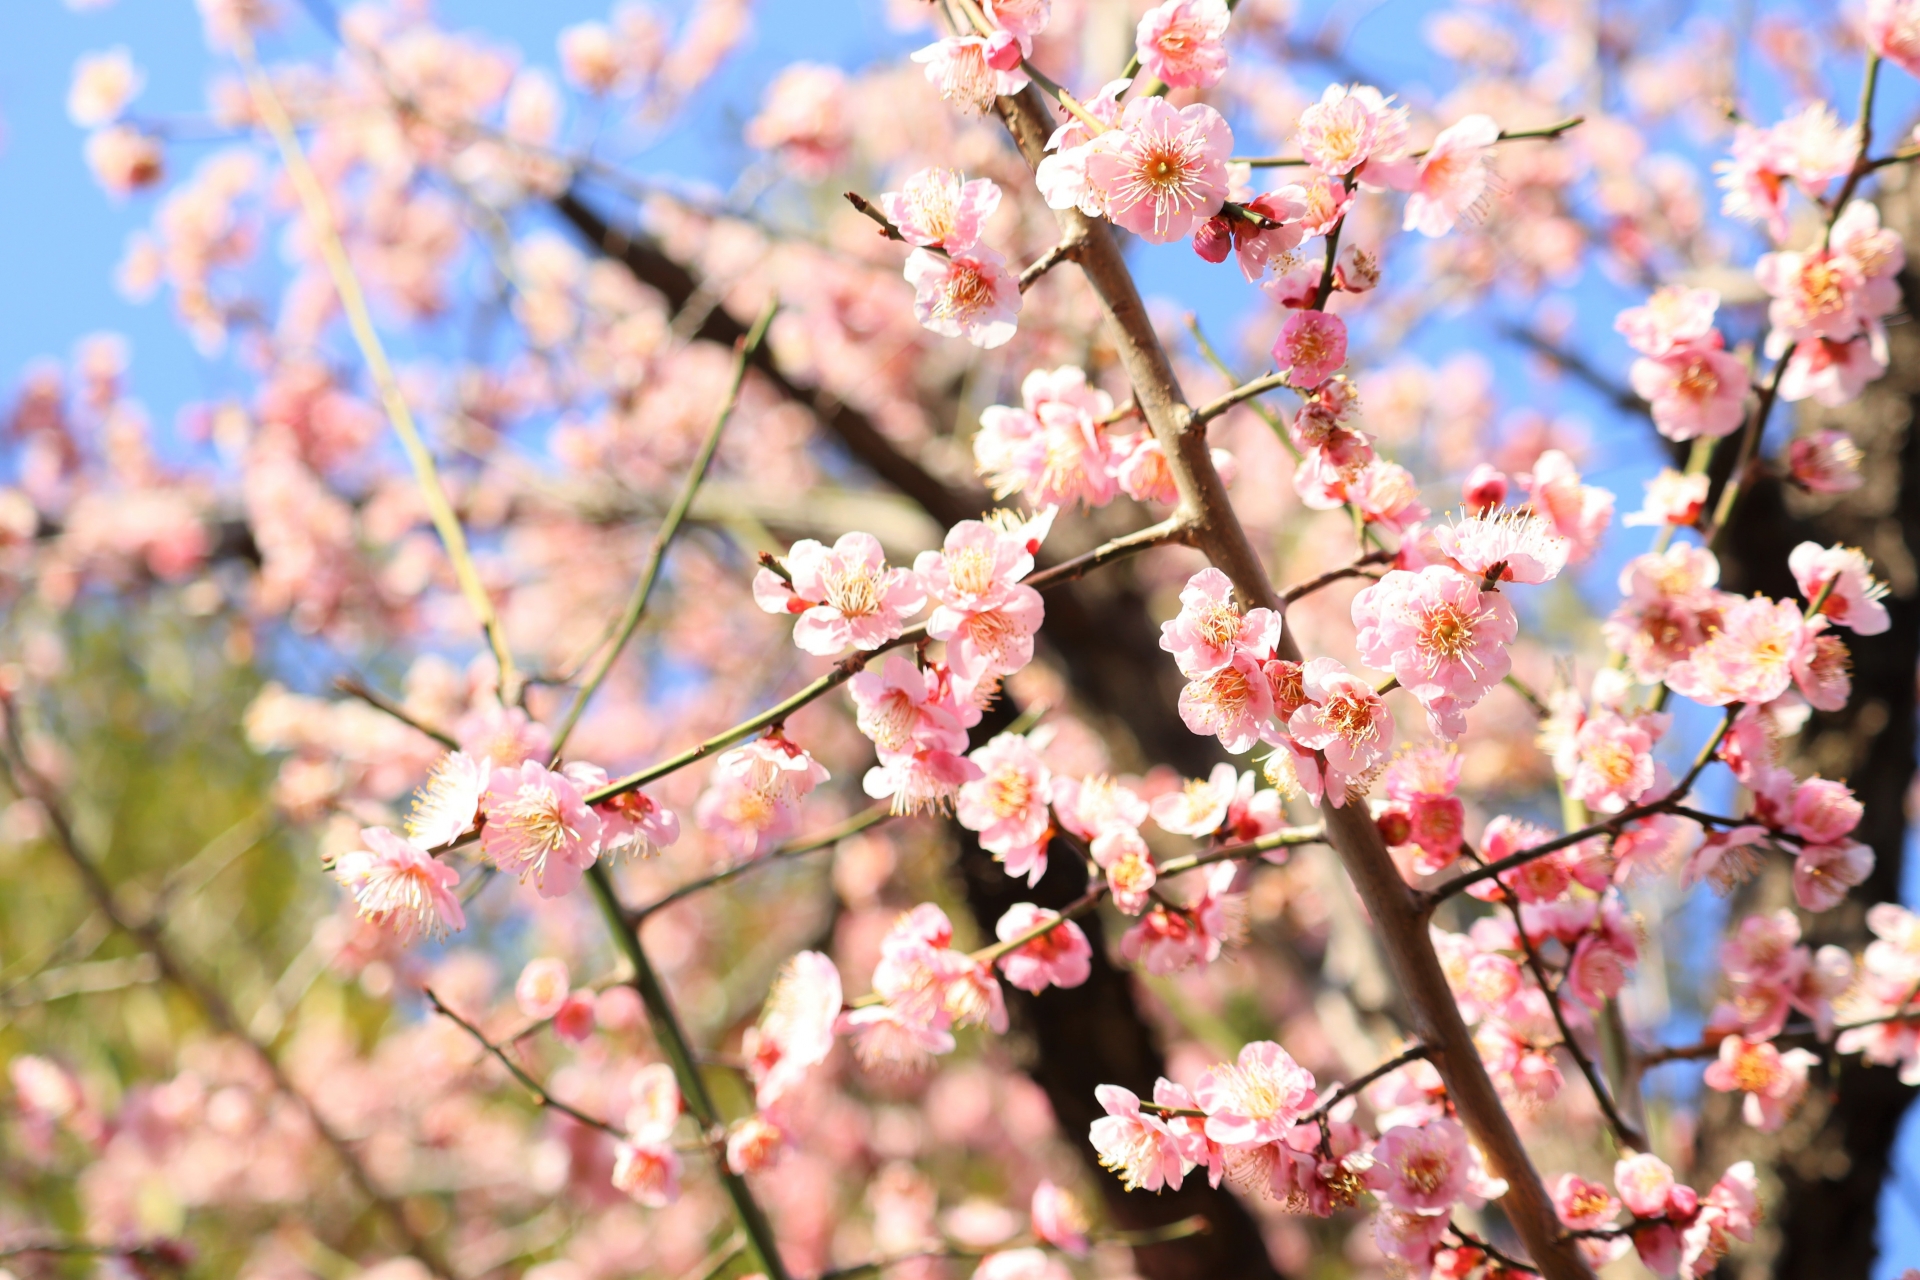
{"x": 1217, "y": 532}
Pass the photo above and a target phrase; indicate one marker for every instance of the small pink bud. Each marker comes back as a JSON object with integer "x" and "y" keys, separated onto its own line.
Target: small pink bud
{"x": 1486, "y": 488}
{"x": 1214, "y": 240}
{"x": 1003, "y": 51}
{"x": 574, "y": 1021}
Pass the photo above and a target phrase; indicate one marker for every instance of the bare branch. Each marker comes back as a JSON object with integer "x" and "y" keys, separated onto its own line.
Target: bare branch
{"x": 538, "y": 1090}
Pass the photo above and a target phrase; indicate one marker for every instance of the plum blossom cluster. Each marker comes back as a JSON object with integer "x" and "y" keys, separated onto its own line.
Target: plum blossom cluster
{"x": 1259, "y": 1124}
{"x": 533, "y": 822}
{"x": 1674, "y": 1229}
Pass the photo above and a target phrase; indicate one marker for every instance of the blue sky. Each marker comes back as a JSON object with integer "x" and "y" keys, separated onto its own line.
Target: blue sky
{"x": 60, "y": 236}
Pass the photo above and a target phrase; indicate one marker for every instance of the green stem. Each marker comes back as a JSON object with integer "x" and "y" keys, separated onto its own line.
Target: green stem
{"x": 643, "y": 590}
{"x": 673, "y": 1042}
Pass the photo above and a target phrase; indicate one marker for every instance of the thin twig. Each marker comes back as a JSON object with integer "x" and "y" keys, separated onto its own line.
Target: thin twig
{"x": 673, "y": 1042}
{"x": 1357, "y": 569}
{"x": 319, "y": 214}
{"x": 1625, "y": 1134}
{"x": 643, "y": 590}
{"x": 1245, "y": 391}
{"x": 353, "y": 686}
{"x": 1061, "y": 252}
{"x": 26, "y": 781}
{"x": 1505, "y": 135}
{"x": 824, "y": 840}
{"x": 518, "y": 1072}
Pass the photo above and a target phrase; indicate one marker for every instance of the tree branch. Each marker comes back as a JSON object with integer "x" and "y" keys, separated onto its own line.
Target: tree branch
{"x": 1217, "y": 532}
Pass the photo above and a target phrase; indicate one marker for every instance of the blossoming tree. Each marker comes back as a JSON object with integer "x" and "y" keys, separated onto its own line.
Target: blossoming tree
{"x": 1178, "y": 921}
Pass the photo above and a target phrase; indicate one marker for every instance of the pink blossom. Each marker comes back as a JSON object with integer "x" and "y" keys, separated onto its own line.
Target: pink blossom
{"x": 1852, "y": 595}
{"x": 1170, "y": 939}
{"x": 1645, "y": 1184}
{"x": 539, "y": 825}
{"x": 1059, "y": 1219}
{"x": 1166, "y": 940}
{"x": 968, "y": 294}
{"x": 1424, "y": 780}
{"x": 975, "y": 569}
{"x": 1183, "y": 42}
{"x": 1615, "y": 760}
{"x": 1088, "y": 806}
{"x": 1725, "y": 859}
{"x": 1137, "y": 1146}
{"x": 1750, "y": 659}
{"x": 1054, "y": 449}
{"x": 1234, "y": 703}
{"x": 648, "y": 1172}
{"x": 1062, "y": 175}
{"x": 1892, "y": 30}
{"x": 795, "y": 1031}
{"x": 993, "y": 642}
{"x": 1484, "y": 489}
{"x": 929, "y": 984}
{"x": 1352, "y": 128}
{"x": 1199, "y": 806}
{"x": 1773, "y": 1082}
{"x": 1453, "y": 176}
{"x": 1728, "y": 1213}
{"x": 1581, "y": 1205}
{"x": 754, "y": 1144}
{"x": 1693, "y": 390}
{"x": 1311, "y": 347}
{"x": 1328, "y": 200}
{"x": 752, "y": 800}
{"x": 444, "y": 808}
{"x": 1755, "y": 187}
{"x": 1007, "y": 805}
{"x": 102, "y": 86}
{"x": 1021, "y": 1264}
{"x": 1673, "y": 498}
{"x": 1162, "y": 172}
{"x": 940, "y": 207}
{"x": 1257, "y": 1098}
{"x": 1523, "y": 546}
{"x": 1816, "y": 294}
{"x": 1061, "y": 957}
{"x": 542, "y": 987}
{"x": 968, "y": 70}
{"x": 398, "y": 886}
{"x": 1141, "y": 470}
{"x": 1578, "y": 512}
{"x": 1673, "y": 317}
{"x": 1210, "y": 629}
{"x": 573, "y": 1021}
{"x": 124, "y": 160}
{"x": 1437, "y": 631}
{"x": 1024, "y": 19}
{"x": 805, "y": 118}
{"x": 1825, "y": 462}
{"x": 1830, "y": 372}
{"x": 1345, "y": 721}
{"x": 1823, "y": 671}
{"x": 631, "y": 822}
{"x": 1124, "y": 856}
{"x": 891, "y": 1043}
{"x": 1410, "y": 1240}
{"x": 1824, "y": 811}
{"x": 1877, "y": 251}
{"x": 1385, "y": 494}
{"x": 1823, "y": 873}
{"x": 1257, "y": 247}
{"x": 845, "y": 594}
{"x": 1421, "y": 1170}
{"x": 1813, "y": 148}
{"x": 1670, "y": 609}
{"x": 904, "y": 710}
{"x": 503, "y": 736}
